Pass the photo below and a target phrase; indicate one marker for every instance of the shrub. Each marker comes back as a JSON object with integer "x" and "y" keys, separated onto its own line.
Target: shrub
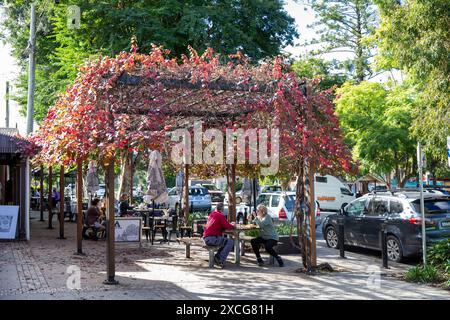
{"x": 197, "y": 216}
{"x": 252, "y": 233}
{"x": 423, "y": 274}
{"x": 439, "y": 255}
{"x": 285, "y": 229}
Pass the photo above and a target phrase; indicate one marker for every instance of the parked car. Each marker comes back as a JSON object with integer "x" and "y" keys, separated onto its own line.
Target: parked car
{"x": 401, "y": 212}
{"x": 199, "y": 198}
{"x": 331, "y": 193}
{"x": 280, "y": 206}
{"x": 274, "y": 188}
{"x": 216, "y": 194}
{"x": 239, "y": 198}
{"x": 101, "y": 191}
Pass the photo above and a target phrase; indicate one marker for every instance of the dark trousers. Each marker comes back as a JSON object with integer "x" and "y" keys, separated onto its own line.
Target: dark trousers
{"x": 268, "y": 244}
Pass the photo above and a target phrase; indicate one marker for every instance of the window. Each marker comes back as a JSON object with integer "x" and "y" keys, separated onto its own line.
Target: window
{"x": 433, "y": 206}
{"x": 263, "y": 199}
{"x": 196, "y": 192}
{"x": 378, "y": 207}
{"x": 346, "y": 192}
{"x": 173, "y": 192}
{"x": 396, "y": 206}
{"x": 321, "y": 179}
{"x": 275, "y": 201}
{"x": 356, "y": 208}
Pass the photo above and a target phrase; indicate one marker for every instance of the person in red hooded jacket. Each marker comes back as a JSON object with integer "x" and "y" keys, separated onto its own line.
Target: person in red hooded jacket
{"x": 212, "y": 235}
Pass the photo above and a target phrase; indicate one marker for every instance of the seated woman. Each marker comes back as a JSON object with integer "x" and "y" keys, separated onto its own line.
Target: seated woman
{"x": 124, "y": 207}
{"x": 268, "y": 235}
{"x": 94, "y": 215}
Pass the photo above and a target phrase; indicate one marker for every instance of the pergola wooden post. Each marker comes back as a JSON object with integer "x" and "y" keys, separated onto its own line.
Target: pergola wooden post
{"x": 231, "y": 182}
{"x": 79, "y": 206}
{"x": 41, "y": 200}
{"x": 110, "y": 245}
{"x": 50, "y": 202}
{"x": 61, "y": 203}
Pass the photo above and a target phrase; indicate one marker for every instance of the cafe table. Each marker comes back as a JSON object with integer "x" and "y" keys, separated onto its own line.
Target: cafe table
{"x": 236, "y": 234}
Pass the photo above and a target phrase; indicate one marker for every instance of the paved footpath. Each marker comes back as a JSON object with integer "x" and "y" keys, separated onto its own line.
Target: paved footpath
{"x": 38, "y": 269}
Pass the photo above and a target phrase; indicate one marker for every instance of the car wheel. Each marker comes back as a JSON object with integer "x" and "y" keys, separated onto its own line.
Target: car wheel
{"x": 331, "y": 238}
{"x": 394, "y": 249}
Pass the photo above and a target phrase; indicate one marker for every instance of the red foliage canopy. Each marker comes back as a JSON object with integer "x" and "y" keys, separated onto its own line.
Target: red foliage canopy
{"x": 130, "y": 101}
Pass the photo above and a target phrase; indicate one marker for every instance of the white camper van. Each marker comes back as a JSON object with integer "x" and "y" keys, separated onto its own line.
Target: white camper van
{"x": 331, "y": 193}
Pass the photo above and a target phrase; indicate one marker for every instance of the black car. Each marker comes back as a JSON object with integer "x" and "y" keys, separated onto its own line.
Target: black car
{"x": 401, "y": 212}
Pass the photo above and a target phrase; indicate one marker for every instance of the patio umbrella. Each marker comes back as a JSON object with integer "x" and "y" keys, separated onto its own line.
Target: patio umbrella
{"x": 250, "y": 188}
{"x": 92, "y": 181}
{"x": 156, "y": 184}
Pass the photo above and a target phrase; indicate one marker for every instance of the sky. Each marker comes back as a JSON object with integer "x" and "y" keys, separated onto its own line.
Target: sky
{"x": 303, "y": 16}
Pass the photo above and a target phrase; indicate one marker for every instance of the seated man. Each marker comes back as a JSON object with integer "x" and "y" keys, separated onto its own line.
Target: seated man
{"x": 124, "y": 207}
{"x": 212, "y": 236}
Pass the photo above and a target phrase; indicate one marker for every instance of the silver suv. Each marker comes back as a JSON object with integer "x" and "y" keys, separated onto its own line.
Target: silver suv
{"x": 280, "y": 205}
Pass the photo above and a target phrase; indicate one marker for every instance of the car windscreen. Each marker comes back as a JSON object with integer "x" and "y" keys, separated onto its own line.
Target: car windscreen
{"x": 197, "y": 192}
{"x": 433, "y": 206}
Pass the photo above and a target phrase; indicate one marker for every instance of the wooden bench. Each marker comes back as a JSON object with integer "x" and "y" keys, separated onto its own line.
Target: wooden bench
{"x": 198, "y": 241}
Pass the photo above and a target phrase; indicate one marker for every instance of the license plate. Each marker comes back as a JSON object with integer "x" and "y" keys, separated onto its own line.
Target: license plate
{"x": 445, "y": 224}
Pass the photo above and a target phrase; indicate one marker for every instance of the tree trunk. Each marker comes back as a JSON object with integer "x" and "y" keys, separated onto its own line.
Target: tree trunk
{"x": 299, "y": 196}
{"x": 359, "y": 61}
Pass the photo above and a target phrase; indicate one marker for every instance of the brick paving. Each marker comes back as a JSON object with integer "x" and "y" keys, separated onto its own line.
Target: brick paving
{"x": 38, "y": 270}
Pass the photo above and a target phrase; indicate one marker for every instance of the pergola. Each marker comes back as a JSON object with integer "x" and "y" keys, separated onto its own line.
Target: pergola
{"x": 129, "y": 102}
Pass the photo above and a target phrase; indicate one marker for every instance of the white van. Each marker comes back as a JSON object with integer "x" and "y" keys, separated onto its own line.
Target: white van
{"x": 331, "y": 193}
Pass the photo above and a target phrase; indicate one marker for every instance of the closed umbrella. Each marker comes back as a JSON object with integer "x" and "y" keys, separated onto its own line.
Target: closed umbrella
{"x": 156, "y": 184}
{"x": 92, "y": 180}
{"x": 250, "y": 189}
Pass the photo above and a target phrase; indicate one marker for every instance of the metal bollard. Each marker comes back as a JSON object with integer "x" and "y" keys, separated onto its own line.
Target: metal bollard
{"x": 383, "y": 237}
{"x": 340, "y": 221}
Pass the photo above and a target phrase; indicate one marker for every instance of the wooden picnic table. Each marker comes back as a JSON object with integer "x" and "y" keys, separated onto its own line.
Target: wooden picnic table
{"x": 236, "y": 235}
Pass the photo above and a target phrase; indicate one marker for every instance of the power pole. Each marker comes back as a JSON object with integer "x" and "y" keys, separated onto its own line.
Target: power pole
{"x": 7, "y": 105}
{"x": 31, "y": 69}
{"x": 422, "y": 204}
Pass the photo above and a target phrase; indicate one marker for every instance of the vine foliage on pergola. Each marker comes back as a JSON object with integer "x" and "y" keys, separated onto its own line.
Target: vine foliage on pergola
{"x": 129, "y": 103}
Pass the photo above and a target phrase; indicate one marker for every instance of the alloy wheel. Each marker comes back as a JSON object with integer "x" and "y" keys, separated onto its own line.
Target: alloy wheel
{"x": 393, "y": 250}
{"x": 332, "y": 238}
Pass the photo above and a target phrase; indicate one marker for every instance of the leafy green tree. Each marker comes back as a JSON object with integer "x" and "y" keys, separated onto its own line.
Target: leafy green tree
{"x": 257, "y": 28}
{"x": 376, "y": 122}
{"x": 343, "y": 26}
{"x": 328, "y": 71}
{"x": 414, "y": 37}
